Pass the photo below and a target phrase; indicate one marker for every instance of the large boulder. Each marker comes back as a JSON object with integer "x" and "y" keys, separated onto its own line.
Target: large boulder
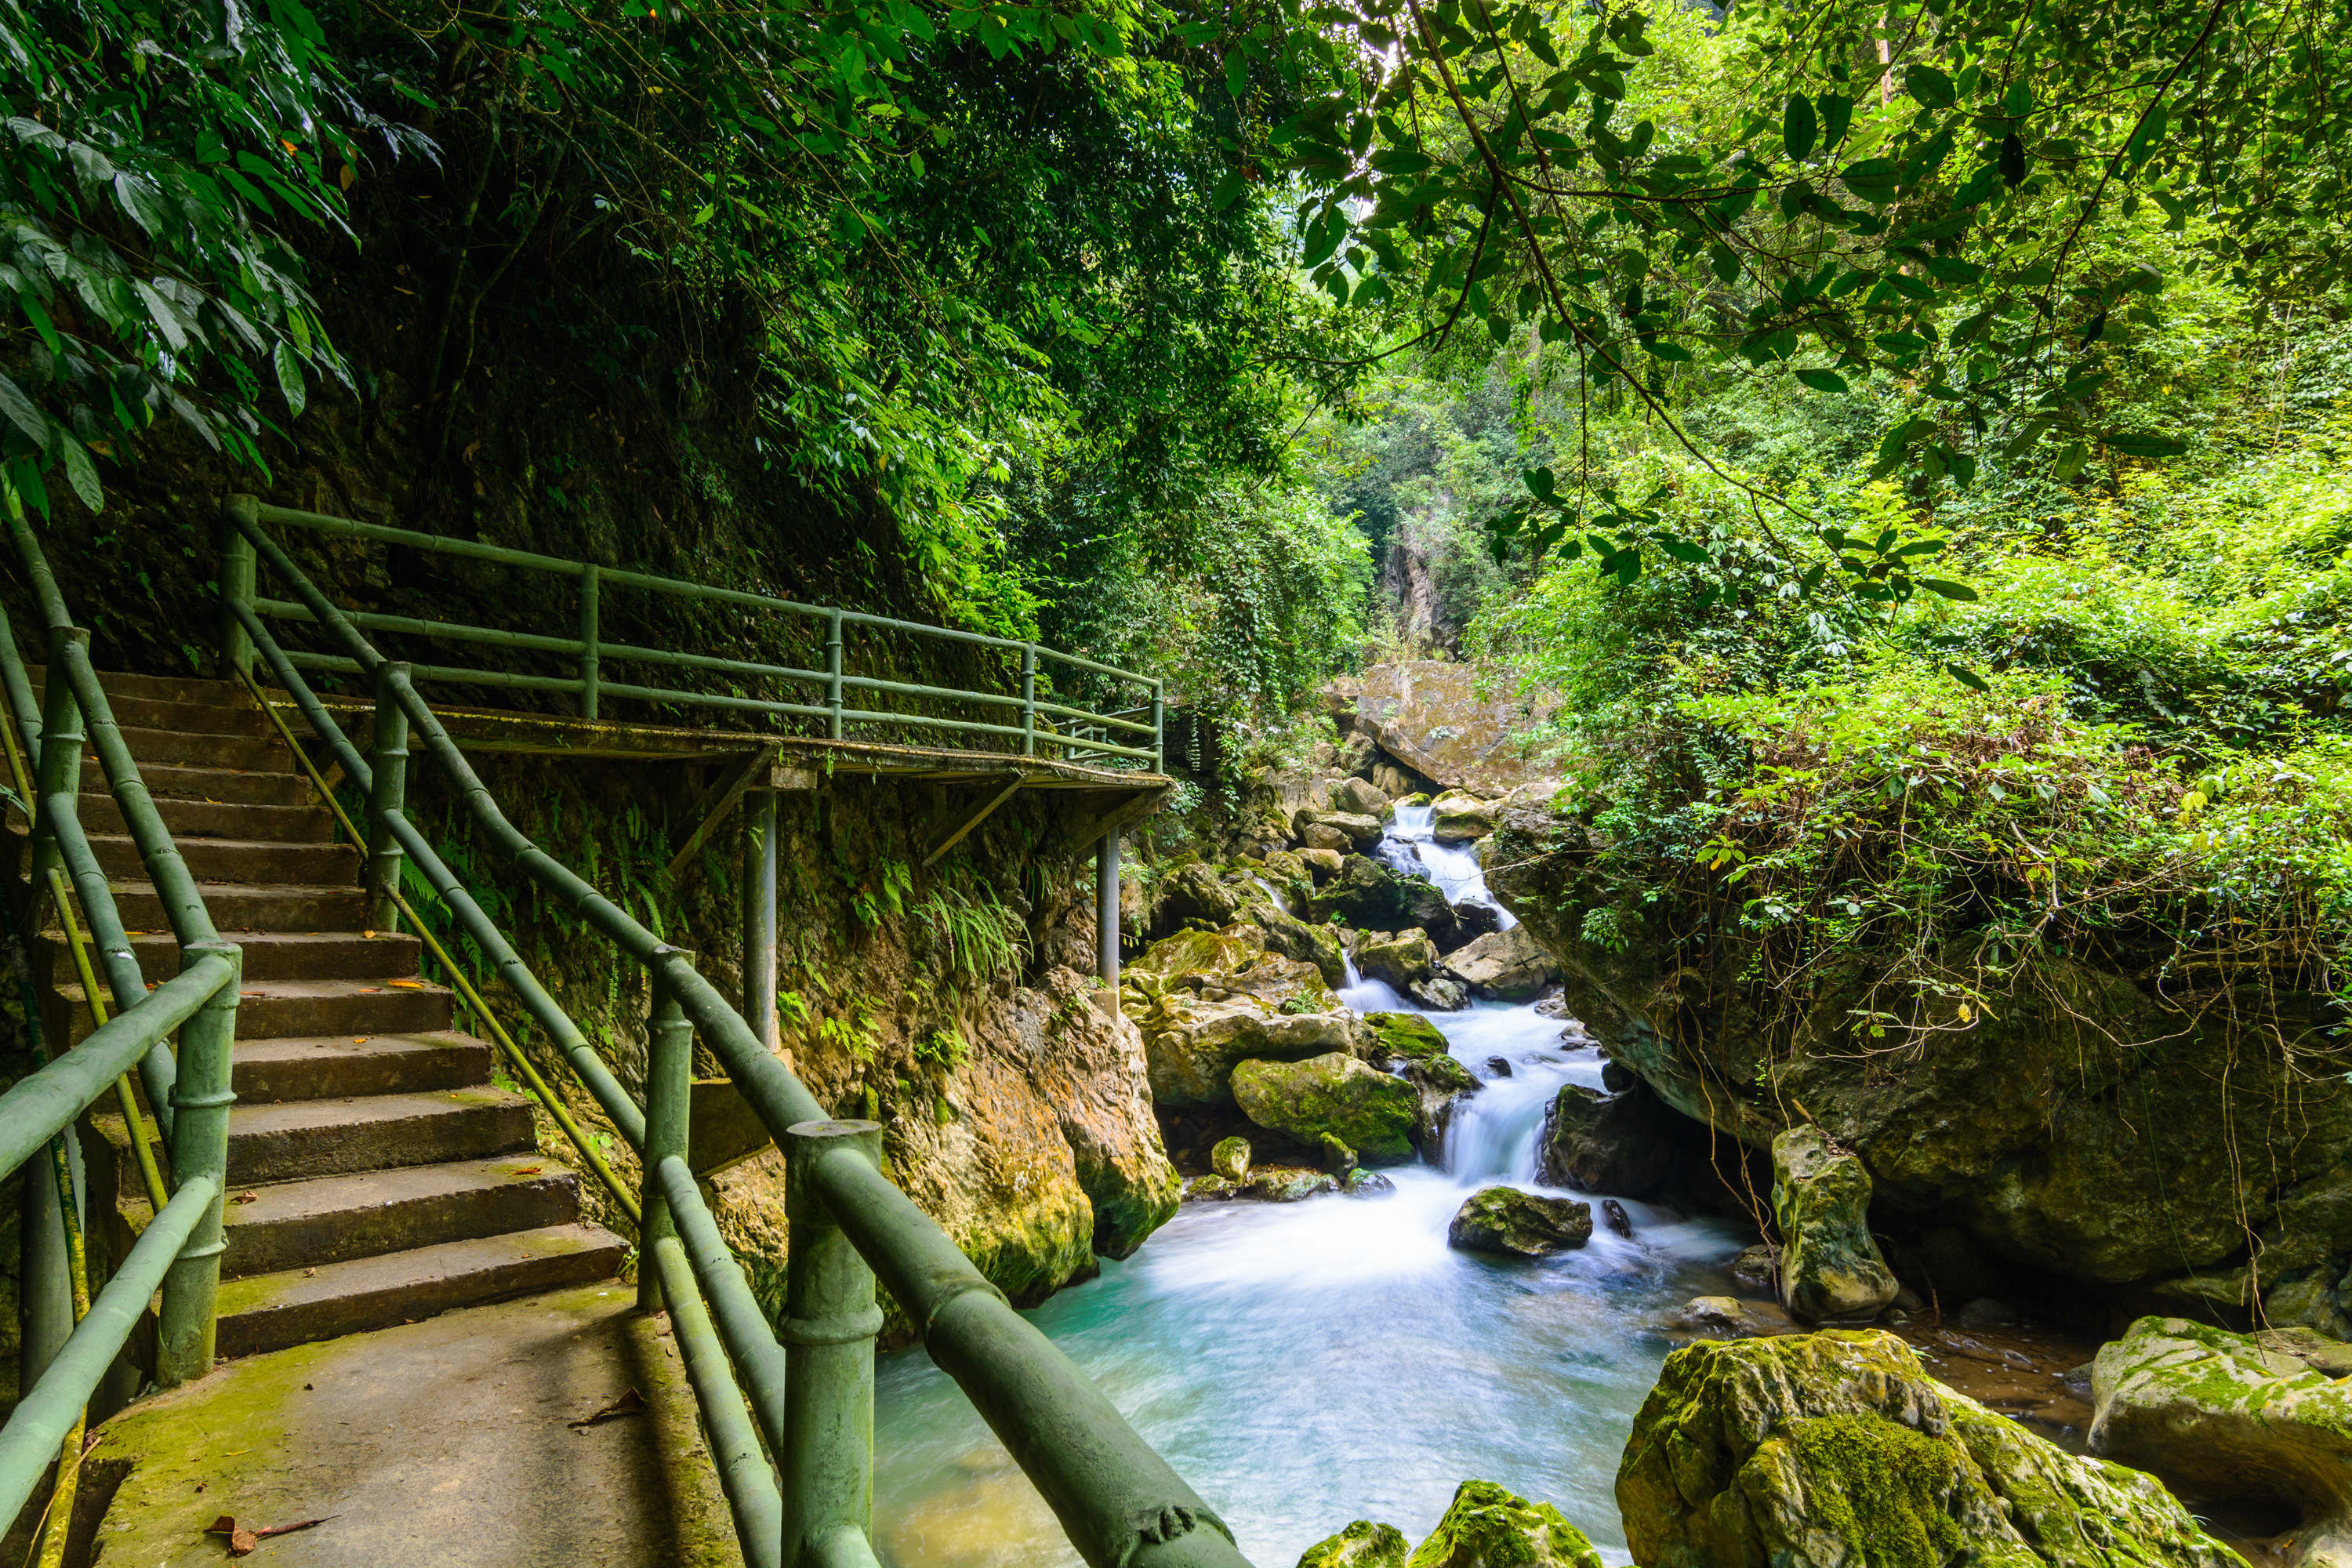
{"x": 1520, "y": 1225}
{"x": 1830, "y": 1269}
{"x": 1508, "y": 965}
{"x": 1361, "y": 797}
{"x": 1359, "y": 829}
{"x": 1372, "y": 1112}
{"x": 1457, "y": 817}
{"x": 1600, "y": 1142}
{"x": 1403, "y": 959}
{"x": 1294, "y": 938}
{"x": 1208, "y": 1000}
{"x": 1200, "y": 892}
{"x": 1371, "y": 895}
{"x": 2225, "y": 1416}
{"x": 1487, "y": 1527}
{"x": 1438, "y": 719}
{"x": 1411, "y": 1045}
{"x": 1835, "y": 1450}
{"x": 1362, "y": 1545}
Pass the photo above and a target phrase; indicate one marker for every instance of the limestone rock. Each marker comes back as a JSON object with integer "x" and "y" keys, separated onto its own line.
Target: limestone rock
{"x": 1475, "y": 920}
{"x": 1442, "y": 1082}
{"x": 1834, "y": 1450}
{"x": 1505, "y": 964}
{"x": 1432, "y": 717}
{"x": 1360, "y": 797}
{"x": 1207, "y": 1000}
{"x": 2316, "y": 1351}
{"x": 1322, "y": 861}
{"x": 1231, "y": 1159}
{"x": 1599, "y": 1143}
{"x": 1371, "y": 895}
{"x": 1288, "y": 1184}
{"x": 1362, "y": 1545}
{"x": 1439, "y": 995}
{"x": 1210, "y": 1189}
{"x": 1390, "y": 1037}
{"x": 1729, "y": 1318}
{"x": 1520, "y": 1225}
{"x": 1294, "y": 938}
{"x": 1370, "y": 1111}
{"x": 1403, "y": 959}
{"x": 1322, "y": 838}
{"x": 1355, "y": 754}
{"x": 1361, "y": 830}
{"x": 1198, "y": 892}
{"x": 1339, "y": 1161}
{"x": 2220, "y": 1414}
{"x": 1460, "y": 819}
{"x": 1829, "y": 1266}
{"x": 1487, "y": 1527}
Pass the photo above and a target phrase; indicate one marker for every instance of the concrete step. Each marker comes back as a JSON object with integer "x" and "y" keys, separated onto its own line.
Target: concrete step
{"x": 185, "y": 689}
{"x": 275, "y": 955}
{"x": 270, "y": 1009}
{"x": 255, "y": 860}
{"x": 297, "y": 1139}
{"x": 303, "y": 824}
{"x": 336, "y": 1066}
{"x": 166, "y": 781}
{"x": 296, "y": 1306}
{"x": 241, "y": 907}
{"x": 197, "y": 749}
{"x": 310, "y": 1225}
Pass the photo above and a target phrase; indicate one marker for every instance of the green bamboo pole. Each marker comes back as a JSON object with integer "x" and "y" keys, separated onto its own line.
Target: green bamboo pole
{"x": 734, "y": 1442}
{"x": 670, "y": 1090}
{"x": 237, "y": 564}
{"x": 830, "y": 1321}
{"x": 387, "y": 789}
{"x": 200, "y": 1154}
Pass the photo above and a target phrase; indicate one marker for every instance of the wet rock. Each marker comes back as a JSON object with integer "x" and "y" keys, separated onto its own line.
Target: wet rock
{"x": 1520, "y": 1225}
{"x": 1372, "y": 1112}
{"x": 1505, "y": 964}
{"x": 1339, "y": 1160}
{"x": 1475, "y": 920}
{"x": 1613, "y": 1215}
{"x": 2314, "y": 1350}
{"x": 1824, "y": 1450}
{"x": 1616, "y": 1078}
{"x": 1208, "y": 1000}
{"x": 2222, "y": 1415}
{"x": 1231, "y": 1159}
{"x": 1362, "y": 1183}
{"x": 1359, "y": 829}
{"x": 1294, "y": 938}
{"x": 1322, "y": 838}
{"x": 1362, "y": 1545}
{"x": 1288, "y": 1184}
{"x": 1322, "y": 861}
{"x": 1406, "y": 957}
{"x": 1200, "y": 892}
{"x": 1442, "y": 1083}
{"x": 1985, "y": 1312}
{"x": 1729, "y": 1318}
{"x": 1487, "y": 1527}
{"x": 1439, "y": 995}
{"x": 1500, "y": 1066}
{"x": 1829, "y": 1266}
{"x": 1552, "y": 1007}
{"x": 1211, "y": 1189}
{"x": 1460, "y": 819}
{"x": 1756, "y": 1267}
{"x": 1369, "y": 894}
{"x": 1360, "y": 797}
{"x": 1390, "y": 1037}
{"x": 1603, "y": 1142}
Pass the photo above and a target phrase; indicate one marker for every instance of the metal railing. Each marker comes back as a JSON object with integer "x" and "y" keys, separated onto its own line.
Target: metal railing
{"x": 1110, "y": 735}
{"x": 70, "y": 1340}
{"x": 788, "y": 1406}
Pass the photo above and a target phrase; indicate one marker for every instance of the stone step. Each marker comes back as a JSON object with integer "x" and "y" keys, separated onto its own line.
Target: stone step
{"x": 270, "y": 1009}
{"x": 311, "y": 1224}
{"x": 275, "y": 955}
{"x": 174, "y": 713}
{"x": 196, "y": 749}
{"x": 296, "y": 823}
{"x": 334, "y": 1067}
{"x": 241, "y": 907}
{"x": 253, "y": 860}
{"x": 305, "y": 1139}
{"x": 186, "y": 690}
{"x": 298, "y": 1305}
{"x": 165, "y": 781}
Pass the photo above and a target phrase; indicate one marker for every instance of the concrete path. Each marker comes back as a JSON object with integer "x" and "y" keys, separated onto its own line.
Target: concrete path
{"x": 440, "y": 1443}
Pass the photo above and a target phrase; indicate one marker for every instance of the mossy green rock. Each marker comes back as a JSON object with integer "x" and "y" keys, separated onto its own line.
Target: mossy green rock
{"x": 1371, "y": 897}
{"x": 1520, "y": 1225}
{"x": 1409, "y": 1037}
{"x": 1487, "y": 1527}
{"x": 2225, "y": 1415}
{"x": 1368, "y": 1110}
{"x": 1457, "y": 818}
{"x": 1294, "y": 938}
{"x": 1830, "y": 1269}
{"x": 1288, "y": 1184}
{"x": 1598, "y": 1142}
{"x": 1404, "y": 958}
{"x": 1362, "y": 1545}
{"x": 1208, "y": 1000}
{"x": 1836, "y": 1451}
{"x": 1231, "y": 1159}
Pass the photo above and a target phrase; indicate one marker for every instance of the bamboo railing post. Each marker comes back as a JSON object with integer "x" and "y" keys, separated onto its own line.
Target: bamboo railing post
{"x": 387, "y": 791}
{"x": 201, "y": 1097}
{"x": 1159, "y": 728}
{"x": 669, "y": 1088}
{"x": 1029, "y": 700}
{"x": 759, "y": 915}
{"x": 833, "y": 672}
{"x": 588, "y": 635}
{"x": 830, "y": 1321}
{"x": 236, "y": 573}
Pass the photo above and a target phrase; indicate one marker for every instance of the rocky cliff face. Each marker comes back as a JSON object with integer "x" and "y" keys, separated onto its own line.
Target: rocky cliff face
{"x": 2090, "y": 1124}
{"x": 1433, "y": 719}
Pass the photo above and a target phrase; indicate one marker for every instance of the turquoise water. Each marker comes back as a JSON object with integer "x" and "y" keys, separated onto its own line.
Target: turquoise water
{"x": 1306, "y": 1364}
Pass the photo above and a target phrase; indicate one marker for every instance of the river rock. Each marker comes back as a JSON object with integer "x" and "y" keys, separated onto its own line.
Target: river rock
{"x": 1322, "y": 838}
{"x": 1835, "y": 1450}
{"x": 1360, "y": 797}
{"x": 1210, "y": 1188}
{"x": 1520, "y": 1225}
{"x": 1370, "y": 1111}
{"x": 2313, "y": 1350}
{"x": 1361, "y": 831}
{"x": 1231, "y": 1159}
{"x": 1599, "y": 1143}
{"x": 1407, "y": 957}
{"x": 1294, "y": 938}
{"x": 1339, "y": 1160}
{"x": 1487, "y": 1527}
{"x": 1362, "y": 1545}
{"x": 1613, "y": 1215}
{"x": 1288, "y": 1184}
{"x": 1439, "y": 995}
{"x": 1442, "y": 1083}
{"x": 1729, "y": 1318}
{"x": 1757, "y": 1267}
{"x": 1322, "y": 862}
{"x": 1829, "y": 1266}
{"x": 1498, "y": 1066}
{"x": 1392, "y": 1037}
{"x": 1369, "y": 895}
{"x": 1475, "y": 920}
{"x": 1460, "y": 819}
{"x": 1208, "y": 1000}
{"x": 1505, "y": 964}
{"x": 2221, "y": 1414}
{"x": 1363, "y": 1183}
{"x": 1431, "y": 716}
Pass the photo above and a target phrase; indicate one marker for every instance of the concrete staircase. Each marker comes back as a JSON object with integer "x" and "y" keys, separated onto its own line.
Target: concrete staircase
{"x": 376, "y": 1175}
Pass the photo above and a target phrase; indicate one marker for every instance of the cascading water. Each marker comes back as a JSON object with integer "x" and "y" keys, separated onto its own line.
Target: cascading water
{"x": 1306, "y": 1364}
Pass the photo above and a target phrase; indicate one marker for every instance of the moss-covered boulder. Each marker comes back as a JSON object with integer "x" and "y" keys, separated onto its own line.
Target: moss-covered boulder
{"x": 1231, "y": 1159}
{"x": 1370, "y": 1111}
{"x": 1459, "y": 818}
{"x": 1487, "y": 1527}
{"x": 1402, "y": 959}
{"x": 1200, "y": 892}
{"x": 1362, "y": 1545}
{"x": 1371, "y": 897}
{"x": 1321, "y": 863}
{"x": 1514, "y": 1224}
{"x": 1288, "y": 1184}
{"x": 1830, "y": 1269}
{"x": 1508, "y": 965}
{"x": 2223, "y": 1415}
{"x": 1294, "y": 938}
{"x": 1207, "y": 1000}
{"x": 1360, "y": 829}
{"x": 1361, "y": 797}
{"x": 1599, "y": 1142}
{"x": 1835, "y": 1450}
{"x": 1402, "y": 1036}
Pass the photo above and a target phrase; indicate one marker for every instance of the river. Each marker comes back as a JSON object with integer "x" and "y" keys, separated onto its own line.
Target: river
{"x": 1306, "y": 1364}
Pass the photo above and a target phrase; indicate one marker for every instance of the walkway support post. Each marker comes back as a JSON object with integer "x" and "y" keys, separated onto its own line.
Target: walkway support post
{"x": 1159, "y": 727}
{"x": 1107, "y": 913}
{"x": 387, "y": 793}
{"x": 45, "y": 1290}
{"x": 237, "y": 568}
{"x": 830, "y": 1321}
{"x": 1029, "y": 700}
{"x": 589, "y": 587}
{"x": 759, "y": 915}
{"x": 833, "y": 673}
{"x": 669, "y": 1100}
{"x": 201, "y": 1097}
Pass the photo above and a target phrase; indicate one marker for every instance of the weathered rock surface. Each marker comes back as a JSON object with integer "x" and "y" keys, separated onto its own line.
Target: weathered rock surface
{"x": 2221, "y": 1414}
{"x": 1294, "y": 938}
{"x": 1729, "y": 1318}
{"x": 1829, "y": 1267}
{"x": 1432, "y": 718}
{"x": 1371, "y": 1112}
{"x": 1600, "y": 1142}
{"x": 1390, "y": 1037}
{"x": 1520, "y": 1225}
{"x": 1508, "y": 965}
{"x": 1439, "y": 995}
{"x": 1406, "y": 957}
{"x": 1457, "y": 817}
{"x": 1288, "y": 1185}
{"x": 1369, "y": 895}
{"x": 1231, "y": 1159}
{"x": 1201, "y": 892}
{"x": 1359, "y": 829}
{"x": 1835, "y": 1450}
{"x": 1322, "y": 862}
{"x": 1487, "y": 1527}
{"x": 1207, "y": 1000}
{"x": 1362, "y": 1545}
{"x": 1361, "y": 797}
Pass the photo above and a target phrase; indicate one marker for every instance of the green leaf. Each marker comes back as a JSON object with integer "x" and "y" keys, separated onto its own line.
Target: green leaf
{"x": 1227, "y": 191}
{"x": 1822, "y": 380}
{"x": 1948, "y": 589}
{"x": 289, "y": 380}
{"x": 23, "y": 413}
{"x": 1539, "y": 481}
{"x": 1659, "y": 348}
{"x": 1837, "y": 114}
{"x": 1798, "y": 128}
{"x": 81, "y": 473}
{"x": 2133, "y": 443}
{"x": 1930, "y": 86}
{"x": 1724, "y": 263}
{"x": 1967, "y": 677}
{"x": 1682, "y": 549}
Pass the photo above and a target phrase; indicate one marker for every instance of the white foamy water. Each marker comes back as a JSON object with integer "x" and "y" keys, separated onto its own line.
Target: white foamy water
{"x": 1306, "y": 1364}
